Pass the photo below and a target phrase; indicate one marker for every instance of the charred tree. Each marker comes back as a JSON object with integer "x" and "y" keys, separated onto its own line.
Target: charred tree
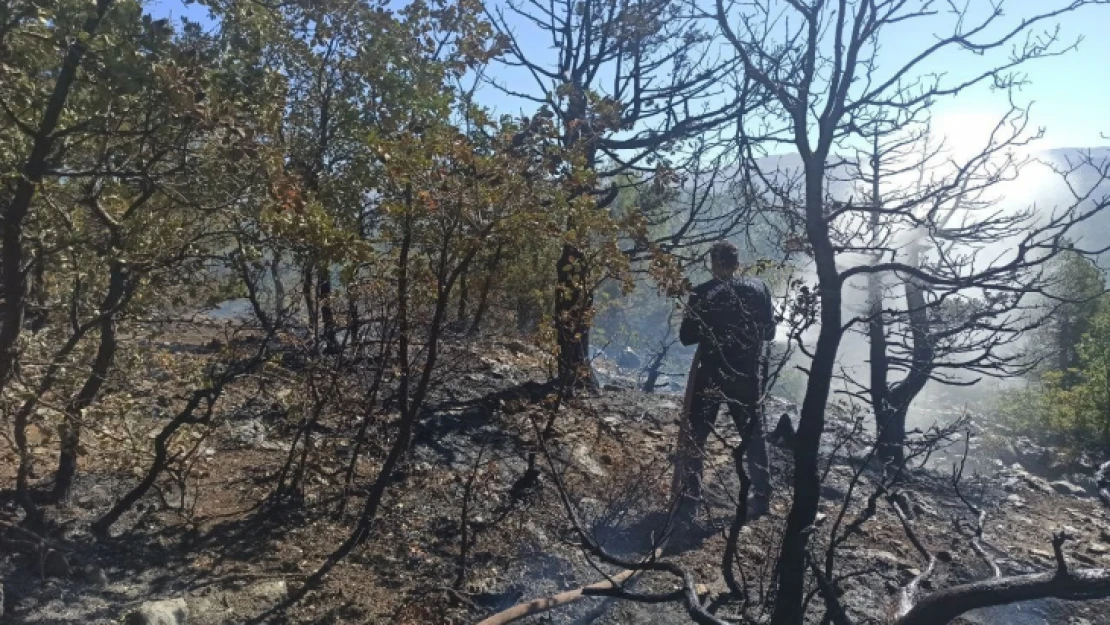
{"x": 821, "y": 74}
{"x": 625, "y": 82}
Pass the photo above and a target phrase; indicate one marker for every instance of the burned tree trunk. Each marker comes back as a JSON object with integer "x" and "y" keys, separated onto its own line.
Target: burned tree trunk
{"x": 790, "y": 602}
{"x": 327, "y": 312}
{"x": 654, "y": 370}
{"x": 279, "y": 288}
{"x": 464, "y": 300}
{"x": 70, "y": 432}
{"x": 13, "y": 279}
{"x": 308, "y": 292}
{"x": 892, "y": 401}
{"x": 944, "y": 606}
{"x": 483, "y": 294}
{"x": 354, "y": 319}
{"x": 573, "y": 300}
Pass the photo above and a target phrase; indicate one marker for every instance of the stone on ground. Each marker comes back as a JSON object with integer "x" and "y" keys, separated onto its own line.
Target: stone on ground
{"x": 165, "y": 612}
{"x": 1065, "y": 487}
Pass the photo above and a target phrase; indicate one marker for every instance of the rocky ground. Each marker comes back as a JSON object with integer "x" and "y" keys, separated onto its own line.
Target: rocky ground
{"x": 456, "y": 542}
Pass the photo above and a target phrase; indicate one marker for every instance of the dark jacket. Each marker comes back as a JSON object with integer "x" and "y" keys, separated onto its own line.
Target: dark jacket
{"x": 730, "y": 319}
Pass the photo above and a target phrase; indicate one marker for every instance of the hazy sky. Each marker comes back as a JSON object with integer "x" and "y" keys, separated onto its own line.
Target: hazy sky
{"x": 1070, "y": 94}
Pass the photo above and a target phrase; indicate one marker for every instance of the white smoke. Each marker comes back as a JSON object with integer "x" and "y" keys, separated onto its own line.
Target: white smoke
{"x": 1037, "y": 188}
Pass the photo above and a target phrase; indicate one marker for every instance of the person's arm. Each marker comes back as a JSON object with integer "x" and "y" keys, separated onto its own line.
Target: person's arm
{"x": 768, "y": 314}
{"x": 689, "y": 332}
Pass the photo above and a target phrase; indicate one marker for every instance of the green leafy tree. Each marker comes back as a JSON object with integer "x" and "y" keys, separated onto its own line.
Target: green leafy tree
{"x": 124, "y": 142}
{"x": 1071, "y": 405}
{"x": 1077, "y": 282}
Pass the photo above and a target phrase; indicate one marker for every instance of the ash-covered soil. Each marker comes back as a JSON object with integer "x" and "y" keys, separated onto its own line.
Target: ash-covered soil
{"x": 458, "y": 539}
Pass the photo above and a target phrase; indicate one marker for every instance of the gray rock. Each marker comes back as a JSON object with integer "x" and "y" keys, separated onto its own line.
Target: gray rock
{"x": 270, "y": 592}
{"x": 1032, "y": 454}
{"x": 922, "y": 508}
{"x": 1065, "y": 487}
{"x": 1035, "y": 483}
{"x": 1102, "y": 478}
{"x": 584, "y": 460}
{"x": 1085, "y": 559}
{"x": 96, "y": 575}
{"x": 628, "y": 359}
{"x": 165, "y": 612}
{"x": 518, "y": 347}
{"x": 274, "y": 446}
{"x": 250, "y": 433}
{"x": 55, "y": 564}
{"x": 833, "y": 492}
{"x": 885, "y": 557}
{"x": 1086, "y": 482}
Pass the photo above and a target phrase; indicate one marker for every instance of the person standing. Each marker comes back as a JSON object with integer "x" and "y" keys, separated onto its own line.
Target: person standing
{"x": 730, "y": 318}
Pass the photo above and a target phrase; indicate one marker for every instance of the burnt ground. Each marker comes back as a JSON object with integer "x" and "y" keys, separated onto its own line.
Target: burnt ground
{"x": 231, "y": 556}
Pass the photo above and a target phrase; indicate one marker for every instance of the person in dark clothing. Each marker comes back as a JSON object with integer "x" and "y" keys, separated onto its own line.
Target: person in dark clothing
{"x": 731, "y": 319}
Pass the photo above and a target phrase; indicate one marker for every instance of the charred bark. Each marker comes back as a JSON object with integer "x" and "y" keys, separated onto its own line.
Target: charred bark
{"x": 572, "y": 303}
{"x": 70, "y": 432}
{"x": 483, "y": 294}
{"x": 789, "y": 603}
{"x": 944, "y": 606}
{"x": 892, "y": 401}
{"x": 13, "y": 261}
{"x": 464, "y": 300}
{"x": 327, "y": 311}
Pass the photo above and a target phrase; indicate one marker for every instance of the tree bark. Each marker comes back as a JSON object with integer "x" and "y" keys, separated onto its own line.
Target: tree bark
{"x": 354, "y": 320}
{"x": 13, "y": 282}
{"x": 572, "y": 303}
{"x": 279, "y": 288}
{"x": 308, "y": 292}
{"x": 899, "y": 396}
{"x": 891, "y": 436}
{"x": 253, "y": 295}
{"x": 655, "y": 369}
{"x": 464, "y": 300}
{"x": 891, "y": 402}
{"x": 789, "y": 602}
{"x": 483, "y": 294}
{"x": 37, "y": 291}
{"x": 412, "y": 392}
{"x": 327, "y": 312}
{"x": 945, "y": 606}
{"x": 70, "y": 433}
{"x": 161, "y": 458}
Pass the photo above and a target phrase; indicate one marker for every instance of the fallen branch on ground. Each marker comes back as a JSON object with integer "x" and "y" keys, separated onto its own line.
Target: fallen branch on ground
{"x": 944, "y": 606}
{"x": 544, "y": 604}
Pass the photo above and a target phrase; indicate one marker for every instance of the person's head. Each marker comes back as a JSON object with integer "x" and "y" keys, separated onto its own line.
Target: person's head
{"x": 724, "y": 259}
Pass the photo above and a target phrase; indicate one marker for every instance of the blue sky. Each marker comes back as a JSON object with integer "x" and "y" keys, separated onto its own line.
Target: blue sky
{"x": 1070, "y": 95}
